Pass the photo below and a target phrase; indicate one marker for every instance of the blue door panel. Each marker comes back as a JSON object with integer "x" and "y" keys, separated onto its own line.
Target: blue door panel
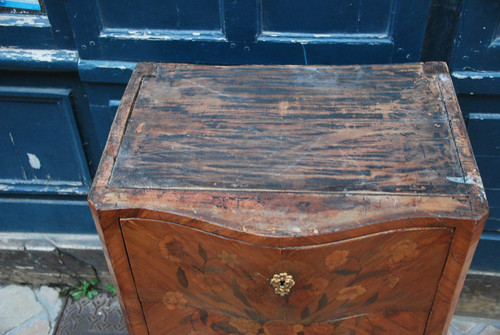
{"x": 477, "y": 46}
{"x": 484, "y": 133}
{"x": 486, "y": 256}
{"x": 475, "y": 64}
{"x": 104, "y": 100}
{"x": 45, "y": 215}
{"x": 241, "y": 32}
{"x": 493, "y": 223}
{"x": 105, "y": 82}
{"x": 32, "y": 81}
{"x": 40, "y": 138}
{"x": 50, "y": 30}
{"x": 175, "y": 14}
{"x": 489, "y": 168}
{"x": 477, "y": 103}
{"x": 330, "y": 17}
{"x": 96, "y": 44}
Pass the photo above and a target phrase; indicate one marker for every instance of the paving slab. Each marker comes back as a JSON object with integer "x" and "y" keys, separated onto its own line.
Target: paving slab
{"x": 463, "y": 325}
{"x": 28, "y": 311}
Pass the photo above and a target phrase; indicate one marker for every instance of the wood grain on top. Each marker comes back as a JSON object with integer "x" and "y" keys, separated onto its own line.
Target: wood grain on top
{"x": 290, "y": 129}
{"x": 289, "y": 159}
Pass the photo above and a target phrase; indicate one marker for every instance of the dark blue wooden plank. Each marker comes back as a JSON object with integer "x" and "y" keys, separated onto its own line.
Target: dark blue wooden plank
{"x": 86, "y": 27}
{"x": 486, "y": 256}
{"x": 39, "y": 128}
{"x": 484, "y": 133}
{"x": 66, "y": 81}
{"x": 489, "y": 167}
{"x": 408, "y": 29}
{"x": 393, "y": 33}
{"x": 45, "y": 215}
{"x": 261, "y": 52}
{"x": 327, "y": 17}
{"x": 442, "y": 26}
{"x": 61, "y": 29}
{"x": 477, "y": 45}
{"x": 476, "y": 82}
{"x": 97, "y": 71}
{"x": 38, "y": 59}
{"x": 103, "y": 118}
{"x": 241, "y": 20}
{"x": 105, "y": 82}
{"x": 26, "y": 31}
{"x": 44, "y": 31}
{"x": 493, "y": 223}
{"x": 478, "y": 103}
{"x": 161, "y": 14}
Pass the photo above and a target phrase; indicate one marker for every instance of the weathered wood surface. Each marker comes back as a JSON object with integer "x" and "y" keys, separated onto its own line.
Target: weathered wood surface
{"x": 180, "y": 272}
{"x": 290, "y": 129}
{"x": 407, "y": 154}
{"x": 275, "y": 159}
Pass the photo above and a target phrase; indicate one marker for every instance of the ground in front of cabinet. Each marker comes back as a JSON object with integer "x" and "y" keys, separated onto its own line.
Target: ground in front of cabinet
{"x": 25, "y": 310}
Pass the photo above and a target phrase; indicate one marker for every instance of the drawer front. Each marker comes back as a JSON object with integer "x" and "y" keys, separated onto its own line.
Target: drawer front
{"x": 189, "y": 280}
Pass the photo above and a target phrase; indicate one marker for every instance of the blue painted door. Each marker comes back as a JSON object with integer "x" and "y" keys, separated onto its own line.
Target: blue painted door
{"x": 44, "y": 176}
{"x": 259, "y": 31}
{"x": 475, "y": 65}
{"x": 65, "y": 67}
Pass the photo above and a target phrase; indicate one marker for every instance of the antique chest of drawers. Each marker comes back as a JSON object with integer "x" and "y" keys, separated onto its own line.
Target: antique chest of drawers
{"x": 288, "y": 199}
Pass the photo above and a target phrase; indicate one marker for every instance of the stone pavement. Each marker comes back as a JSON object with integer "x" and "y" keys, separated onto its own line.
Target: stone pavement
{"x": 40, "y": 311}
{"x": 27, "y": 311}
{"x": 461, "y": 325}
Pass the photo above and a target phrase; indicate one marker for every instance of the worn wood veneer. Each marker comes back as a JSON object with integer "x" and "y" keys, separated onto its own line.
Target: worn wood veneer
{"x": 358, "y": 181}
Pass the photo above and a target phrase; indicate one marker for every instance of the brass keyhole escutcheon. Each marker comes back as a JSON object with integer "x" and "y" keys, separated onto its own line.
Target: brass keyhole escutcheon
{"x": 282, "y": 283}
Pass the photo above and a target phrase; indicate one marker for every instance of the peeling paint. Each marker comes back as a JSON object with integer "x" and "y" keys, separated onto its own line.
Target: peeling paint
{"x": 459, "y": 76}
{"x": 162, "y": 35}
{"x": 5, "y": 187}
{"x": 473, "y": 77}
{"x": 67, "y": 190}
{"x": 38, "y": 55}
{"x": 462, "y": 180}
{"x": 28, "y": 20}
{"x": 34, "y": 161}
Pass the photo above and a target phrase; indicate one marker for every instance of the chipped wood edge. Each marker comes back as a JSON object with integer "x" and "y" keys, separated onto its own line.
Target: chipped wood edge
{"x": 118, "y": 127}
{"x": 471, "y": 176}
{"x": 467, "y": 233}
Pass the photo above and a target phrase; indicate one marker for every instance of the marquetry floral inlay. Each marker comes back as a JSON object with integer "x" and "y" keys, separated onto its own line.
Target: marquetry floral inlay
{"x": 174, "y": 300}
{"x": 245, "y": 326}
{"x": 228, "y": 259}
{"x": 392, "y": 281}
{"x": 404, "y": 250}
{"x": 316, "y": 286}
{"x": 350, "y": 293}
{"x": 171, "y": 249}
{"x": 219, "y": 280}
{"x": 336, "y": 259}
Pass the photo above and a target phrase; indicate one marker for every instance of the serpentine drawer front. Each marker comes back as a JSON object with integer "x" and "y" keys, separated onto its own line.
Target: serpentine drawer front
{"x": 187, "y": 278}
{"x": 288, "y": 200}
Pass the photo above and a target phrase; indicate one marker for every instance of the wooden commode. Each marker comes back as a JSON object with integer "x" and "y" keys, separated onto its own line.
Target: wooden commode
{"x": 289, "y": 199}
